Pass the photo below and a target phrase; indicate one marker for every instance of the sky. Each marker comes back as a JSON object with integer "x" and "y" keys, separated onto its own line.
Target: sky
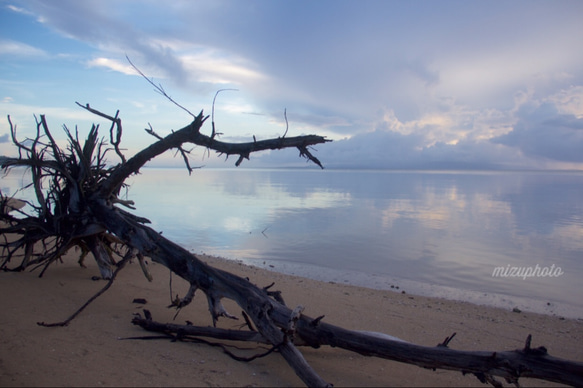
{"x": 395, "y": 84}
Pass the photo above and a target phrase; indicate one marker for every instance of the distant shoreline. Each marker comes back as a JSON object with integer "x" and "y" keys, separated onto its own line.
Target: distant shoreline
{"x": 372, "y": 169}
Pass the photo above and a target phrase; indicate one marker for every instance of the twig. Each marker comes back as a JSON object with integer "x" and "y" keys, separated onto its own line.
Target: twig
{"x": 159, "y": 88}
{"x": 191, "y": 333}
{"x": 214, "y": 133}
{"x": 248, "y": 321}
{"x": 447, "y": 340}
{"x": 286, "y": 123}
{"x": 115, "y": 122}
{"x": 182, "y": 151}
{"x": 66, "y": 322}
{"x": 170, "y": 288}
{"x": 306, "y": 154}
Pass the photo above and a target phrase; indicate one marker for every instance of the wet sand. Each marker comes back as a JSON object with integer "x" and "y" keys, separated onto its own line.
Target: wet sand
{"x": 90, "y": 351}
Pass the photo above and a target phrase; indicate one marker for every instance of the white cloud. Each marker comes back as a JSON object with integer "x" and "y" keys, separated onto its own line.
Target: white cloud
{"x": 19, "y": 49}
{"x": 217, "y": 69}
{"x": 569, "y": 101}
{"x": 16, "y": 9}
{"x": 532, "y": 134}
{"x": 112, "y": 64}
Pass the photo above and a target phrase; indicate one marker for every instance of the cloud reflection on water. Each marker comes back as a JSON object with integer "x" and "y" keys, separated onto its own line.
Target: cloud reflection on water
{"x": 445, "y": 228}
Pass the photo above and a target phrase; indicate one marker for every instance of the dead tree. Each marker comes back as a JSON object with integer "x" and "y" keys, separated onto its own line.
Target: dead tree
{"x": 79, "y": 204}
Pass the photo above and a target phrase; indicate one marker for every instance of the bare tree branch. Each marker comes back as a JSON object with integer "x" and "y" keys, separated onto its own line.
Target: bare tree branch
{"x": 214, "y": 133}
{"x": 286, "y": 123}
{"x": 158, "y": 88}
{"x": 191, "y": 134}
{"x": 115, "y": 140}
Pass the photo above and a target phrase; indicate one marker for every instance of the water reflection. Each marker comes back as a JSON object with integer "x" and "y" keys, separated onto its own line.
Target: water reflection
{"x": 449, "y": 229}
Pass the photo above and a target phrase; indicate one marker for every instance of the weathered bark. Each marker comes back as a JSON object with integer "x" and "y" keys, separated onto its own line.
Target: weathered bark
{"x": 510, "y": 365}
{"x": 80, "y": 207}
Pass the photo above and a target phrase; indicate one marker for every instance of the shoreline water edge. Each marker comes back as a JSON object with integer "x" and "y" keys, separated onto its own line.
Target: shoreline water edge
{"x": 399, "y": 285}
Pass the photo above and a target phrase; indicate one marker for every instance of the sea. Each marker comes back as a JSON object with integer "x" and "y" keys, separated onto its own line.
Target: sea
{"x": 510, "y": 239}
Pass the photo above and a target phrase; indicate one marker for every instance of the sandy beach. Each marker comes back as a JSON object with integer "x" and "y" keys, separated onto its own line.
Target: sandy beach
{"x": 91, "y": 351}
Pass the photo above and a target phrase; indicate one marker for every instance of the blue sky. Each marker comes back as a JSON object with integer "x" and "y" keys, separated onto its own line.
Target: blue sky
{"x": 396, "y": 84}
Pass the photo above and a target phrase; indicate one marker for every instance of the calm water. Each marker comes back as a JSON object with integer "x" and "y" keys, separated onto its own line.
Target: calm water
{"x": 430, "y": 233}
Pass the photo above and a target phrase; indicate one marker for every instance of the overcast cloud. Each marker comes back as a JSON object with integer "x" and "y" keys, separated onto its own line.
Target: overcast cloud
{"x": 397, "y": 84}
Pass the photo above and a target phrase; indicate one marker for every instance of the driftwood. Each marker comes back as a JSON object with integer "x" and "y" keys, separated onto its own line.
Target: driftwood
{"x": 510, "y": 365}
{"x": 79, "y": 205}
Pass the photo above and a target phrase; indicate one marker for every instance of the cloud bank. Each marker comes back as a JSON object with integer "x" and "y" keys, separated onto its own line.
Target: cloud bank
{"x": 394, "y": 83}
